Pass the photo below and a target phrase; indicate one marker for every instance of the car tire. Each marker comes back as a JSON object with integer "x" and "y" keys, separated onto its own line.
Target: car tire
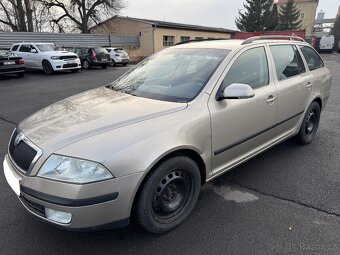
{"x": 86, "y": 64}
{"x": 20, "y": 75}
{"x": 112, "y": 63}
{"x": 104, "y": 66}
{"x": 74, "y": 70}
{"x": 168, "y": 195}
{"x": 310, "y": 124}
{"x": 125, "y": 64}
{"x": 47, "y": 67}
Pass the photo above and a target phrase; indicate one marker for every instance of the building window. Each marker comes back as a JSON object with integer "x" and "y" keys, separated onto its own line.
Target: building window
{"x": 168, "y": 40}
{"x": 185, "y": 38}
{"x": 199, "y": 38}
{"x": 302, "y": 15}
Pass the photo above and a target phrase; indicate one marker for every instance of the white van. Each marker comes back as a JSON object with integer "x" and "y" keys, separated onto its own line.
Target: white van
{"x": 327, "y": 43}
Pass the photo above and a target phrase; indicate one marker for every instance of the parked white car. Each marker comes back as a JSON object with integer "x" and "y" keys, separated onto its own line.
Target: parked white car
{"x": 46, "y": 57}
{"x": 118, "y": 56}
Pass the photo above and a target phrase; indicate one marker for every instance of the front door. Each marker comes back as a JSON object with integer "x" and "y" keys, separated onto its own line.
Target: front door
{"x": 241, "y": 126}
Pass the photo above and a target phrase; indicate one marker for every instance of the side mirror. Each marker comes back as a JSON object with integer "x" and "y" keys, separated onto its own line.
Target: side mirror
{"x": 236, "y": 91}
{"x": 34, "y": 51}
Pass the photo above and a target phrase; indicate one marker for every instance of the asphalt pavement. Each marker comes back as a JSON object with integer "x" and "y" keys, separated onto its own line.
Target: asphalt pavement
{"x": 284, "y": 201}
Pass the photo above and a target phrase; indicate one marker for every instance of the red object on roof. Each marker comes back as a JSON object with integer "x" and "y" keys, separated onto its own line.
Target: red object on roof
{"x": 296, "y": 1}
{"x": 246, "y": 35}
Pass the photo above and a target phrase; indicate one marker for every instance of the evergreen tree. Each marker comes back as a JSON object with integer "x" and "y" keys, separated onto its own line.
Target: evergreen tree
{"x": 336, "y": 29}
{"x": 256, "y": 17}
{"x": 273, "y": 19}
{"x": 289, "y": 16}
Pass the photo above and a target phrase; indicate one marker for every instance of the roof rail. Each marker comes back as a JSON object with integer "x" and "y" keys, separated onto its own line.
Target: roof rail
{"x": 202, "y": 40}
{"x": 272, "y": 37}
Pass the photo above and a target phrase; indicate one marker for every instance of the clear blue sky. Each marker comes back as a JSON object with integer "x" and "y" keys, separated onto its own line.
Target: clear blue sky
{"x": 217, "y": 13}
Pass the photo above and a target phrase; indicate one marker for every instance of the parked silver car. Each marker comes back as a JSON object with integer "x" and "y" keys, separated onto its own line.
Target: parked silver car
{"x": 142, "y": 146}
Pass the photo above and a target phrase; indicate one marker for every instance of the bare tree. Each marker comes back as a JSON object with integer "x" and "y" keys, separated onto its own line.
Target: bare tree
{"x": 23, "y": 15}
{"x": 82, "y": 13}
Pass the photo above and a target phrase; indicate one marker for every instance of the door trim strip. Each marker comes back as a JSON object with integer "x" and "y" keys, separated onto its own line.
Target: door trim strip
{"x": 224, "y": 149}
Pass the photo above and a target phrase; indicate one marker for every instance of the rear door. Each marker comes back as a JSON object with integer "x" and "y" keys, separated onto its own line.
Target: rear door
{"x": 241, "y": 126}
{"x": 294, "y": 85}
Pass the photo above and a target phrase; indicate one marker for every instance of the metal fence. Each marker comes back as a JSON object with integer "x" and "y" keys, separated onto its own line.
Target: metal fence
{"x": 67, "y": 40}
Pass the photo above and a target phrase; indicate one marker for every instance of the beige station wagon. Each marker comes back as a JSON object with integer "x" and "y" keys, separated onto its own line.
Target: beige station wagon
{"x": 141, "y": 147}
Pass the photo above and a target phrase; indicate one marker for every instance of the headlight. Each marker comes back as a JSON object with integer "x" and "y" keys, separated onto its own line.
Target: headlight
{"x": 73, "y": 170}
{"x": 55, "y": 57}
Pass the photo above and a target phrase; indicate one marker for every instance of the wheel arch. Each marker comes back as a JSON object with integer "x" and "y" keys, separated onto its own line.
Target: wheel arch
{"x": 319, "y": 101}
{"x": 194, "y": 155}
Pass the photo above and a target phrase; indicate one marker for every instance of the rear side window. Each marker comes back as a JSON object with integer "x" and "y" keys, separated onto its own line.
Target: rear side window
{"x": 288, "y": 62}
{"x": 15, "y": 47}
{"x": 313, "y": 59}
{"x": 25, "y": 48}
{"x": 250, "y": 68}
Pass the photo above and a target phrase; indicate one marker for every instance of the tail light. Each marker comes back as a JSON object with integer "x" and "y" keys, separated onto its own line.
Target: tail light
{"x": 21, "y": 62}
{"x": 93, "y": 54}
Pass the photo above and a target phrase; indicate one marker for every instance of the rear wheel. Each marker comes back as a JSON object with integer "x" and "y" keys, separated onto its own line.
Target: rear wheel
{"x": 86, "y": 64}
{"x": 310, "y": 124}
{"x": 47, "y": 67}
{"x": 169, "y": 195}
{"x": 112, "y": 63}
{"x": 20, "y": 75}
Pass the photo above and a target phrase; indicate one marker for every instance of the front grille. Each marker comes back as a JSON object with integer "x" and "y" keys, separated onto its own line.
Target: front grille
{"x": 21, "y": 154}
{"x": 69, "y": 57}
{"x": 70, "y": 65}
{"x": 34, "y": 207}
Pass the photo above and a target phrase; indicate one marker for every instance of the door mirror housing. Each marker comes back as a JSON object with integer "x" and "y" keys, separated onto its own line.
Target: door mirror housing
{"x": 34, "y": 51}
{"x": 236, "y": 91}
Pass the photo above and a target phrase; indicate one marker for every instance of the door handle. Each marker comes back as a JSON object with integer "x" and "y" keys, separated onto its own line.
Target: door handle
{"x": 271, "y": 99}
{"x": 309, "y": 85}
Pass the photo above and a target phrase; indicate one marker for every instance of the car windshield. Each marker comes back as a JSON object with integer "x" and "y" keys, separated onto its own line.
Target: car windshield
{"x": 47, "y": 47}
{"x": 176, "y": 75}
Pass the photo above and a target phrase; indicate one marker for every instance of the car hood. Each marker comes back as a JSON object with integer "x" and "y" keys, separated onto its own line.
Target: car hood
{"x": 59, "y": 53}
{"x": 90, "y": 113}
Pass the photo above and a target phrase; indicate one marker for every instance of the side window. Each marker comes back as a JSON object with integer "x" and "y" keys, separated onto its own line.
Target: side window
{"x": 15, "y": 47}
{"x": 313, "y": 59}
{"x": 286, "y": 61}
{"x": 302, "y": 68}
{"x": 25, "y": 48}
{"x": 250, "y": 68}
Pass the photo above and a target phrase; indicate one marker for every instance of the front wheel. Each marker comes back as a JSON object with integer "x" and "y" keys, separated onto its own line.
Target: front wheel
{"x": 86, "y": 64}
{"x": 310, "y": 124}
{"x": 169, "y": 195}
{"x": 47, "y": 67}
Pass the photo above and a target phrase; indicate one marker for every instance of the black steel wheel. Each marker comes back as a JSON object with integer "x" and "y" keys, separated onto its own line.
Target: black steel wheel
{"x": 169, "y": 195}
{"x": 47, "y": 67}
{"x": 310, "y": 124}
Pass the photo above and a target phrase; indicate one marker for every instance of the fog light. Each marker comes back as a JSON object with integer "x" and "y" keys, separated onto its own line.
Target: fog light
{"x": 58, "y": 216}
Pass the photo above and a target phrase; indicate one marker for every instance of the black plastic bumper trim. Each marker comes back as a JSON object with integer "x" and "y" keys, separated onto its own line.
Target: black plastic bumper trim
{"x": 67, "y": 201}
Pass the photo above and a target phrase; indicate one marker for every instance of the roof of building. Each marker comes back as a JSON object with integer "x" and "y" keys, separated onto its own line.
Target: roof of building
{"x": 166, "y": 24}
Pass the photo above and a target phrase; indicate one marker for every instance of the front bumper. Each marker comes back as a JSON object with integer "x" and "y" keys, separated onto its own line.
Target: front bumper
{"x": 99, "y": 205}
{"x": 60, "y": 65}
